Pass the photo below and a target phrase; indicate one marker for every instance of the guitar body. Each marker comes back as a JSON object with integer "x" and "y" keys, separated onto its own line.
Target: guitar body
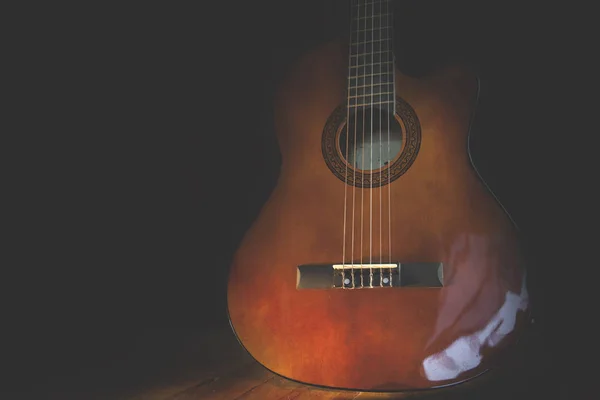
{"x": 379, "y": 339}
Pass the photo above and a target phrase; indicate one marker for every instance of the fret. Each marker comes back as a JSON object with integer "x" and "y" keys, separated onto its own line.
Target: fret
{"x": 379, "y": 74}
{"x": 367, "y": 105}
{"x": 371, "y": 64}
{"x": 368, "y": 96}
{"x": 375, "y": 46}
{"x": 370, "y": 35}
{"x": 373, "y": 16}
{"x": 369, "y": 90}
{"x": 370, "y": 84}
{"x": 371, "y": 7}
{"x": 368, "y": 93}
{"x": 367, "y": 69}
{"x": 357, "y": 60}
{"x": 371, "y": 100}
{"x": 375, "y": 22}
{"x": 372, "y": 41}
{"x": 371, "y": 79}
{"x": 370, "y": 54}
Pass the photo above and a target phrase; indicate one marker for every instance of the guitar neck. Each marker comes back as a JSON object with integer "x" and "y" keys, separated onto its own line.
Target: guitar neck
{"x": 371, "y": 56}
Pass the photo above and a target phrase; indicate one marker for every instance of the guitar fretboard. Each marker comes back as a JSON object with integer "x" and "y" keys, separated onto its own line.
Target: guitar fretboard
{"x": 371, "y": 59}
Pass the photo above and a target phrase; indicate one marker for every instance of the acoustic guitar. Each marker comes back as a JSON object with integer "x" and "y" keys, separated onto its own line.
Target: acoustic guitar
{"x": 381, "y": 261}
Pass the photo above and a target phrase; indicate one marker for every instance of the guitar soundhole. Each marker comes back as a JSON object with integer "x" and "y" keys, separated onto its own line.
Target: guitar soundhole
{"x": 385, "y": 166}
{"x": 373, "y": 138}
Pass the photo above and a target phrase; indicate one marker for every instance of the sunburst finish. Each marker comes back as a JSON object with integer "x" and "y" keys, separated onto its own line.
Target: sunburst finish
{"x": 441, "y": 211}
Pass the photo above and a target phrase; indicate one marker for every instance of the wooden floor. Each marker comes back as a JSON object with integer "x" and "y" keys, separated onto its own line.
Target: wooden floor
{"x": 190, "y": 364}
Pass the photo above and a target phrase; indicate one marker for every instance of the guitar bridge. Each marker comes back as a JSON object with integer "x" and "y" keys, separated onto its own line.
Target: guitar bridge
{"x": 370, "y": 276}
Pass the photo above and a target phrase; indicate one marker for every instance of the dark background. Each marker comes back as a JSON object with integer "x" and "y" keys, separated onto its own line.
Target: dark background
{"x": 145, "y": 149}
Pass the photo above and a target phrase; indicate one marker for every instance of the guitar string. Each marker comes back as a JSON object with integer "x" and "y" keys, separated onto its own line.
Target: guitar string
{"x": 371, "y": 158}
{"x": 346, "y": 172}
{"x": 362, "y": 164}
{"x": 389, "y": 119}
{"x": 354, "y": 156}
{"x": 392, "y": 112}
{"x": 381, "y": 169}
{"x": 354, "y": 150}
